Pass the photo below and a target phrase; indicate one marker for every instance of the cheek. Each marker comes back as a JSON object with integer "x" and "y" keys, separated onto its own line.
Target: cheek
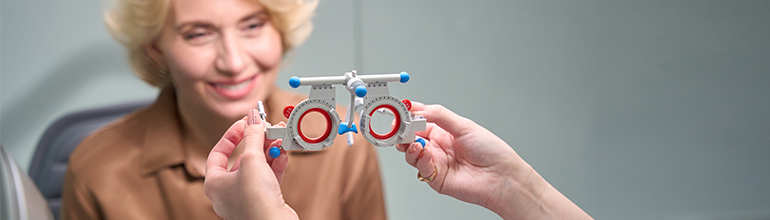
{"x": 189, "y": 69}
{"x": 268, "y": 51}
{"x": 190, "y": 64}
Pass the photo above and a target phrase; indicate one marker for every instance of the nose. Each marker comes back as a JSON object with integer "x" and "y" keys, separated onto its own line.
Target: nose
{"x": 231, "y": 58}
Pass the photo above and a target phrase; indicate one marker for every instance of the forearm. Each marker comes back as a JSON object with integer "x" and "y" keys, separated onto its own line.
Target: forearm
{"x": 246, "y": 212}
{"x": 285, "y": 212}
{"x": 526, "y": 195}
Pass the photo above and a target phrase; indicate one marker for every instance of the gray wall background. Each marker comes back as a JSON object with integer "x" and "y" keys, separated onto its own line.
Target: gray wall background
{"x": 633, "y": 109}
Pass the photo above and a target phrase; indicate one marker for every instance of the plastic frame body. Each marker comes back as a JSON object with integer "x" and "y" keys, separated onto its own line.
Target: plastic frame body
{"x": 375, "y": 93}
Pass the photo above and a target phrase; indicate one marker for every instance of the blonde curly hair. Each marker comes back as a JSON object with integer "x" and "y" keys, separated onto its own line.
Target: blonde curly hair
{"x": 135, "y": 23}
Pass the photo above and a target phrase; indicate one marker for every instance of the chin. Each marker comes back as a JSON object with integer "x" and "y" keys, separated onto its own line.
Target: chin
{"x": 234, "y": 110}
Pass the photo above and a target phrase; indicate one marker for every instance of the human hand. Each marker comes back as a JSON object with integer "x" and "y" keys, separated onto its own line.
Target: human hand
{"x": 473, "y": 165}
{"x": 250, "y": 190}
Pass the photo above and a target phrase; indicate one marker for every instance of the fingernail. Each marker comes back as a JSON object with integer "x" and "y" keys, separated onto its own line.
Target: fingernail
{"x": 422, "y": 152}
{"x": 421, "y": 141}
{"x": 252, "y": 119}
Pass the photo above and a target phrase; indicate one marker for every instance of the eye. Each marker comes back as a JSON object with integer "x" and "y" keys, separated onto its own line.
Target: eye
{"x": 198, "y": 36}
{"x": 253, "y": 28}
{"x": 256, "y": 25}
{"x": 194, "y": 35}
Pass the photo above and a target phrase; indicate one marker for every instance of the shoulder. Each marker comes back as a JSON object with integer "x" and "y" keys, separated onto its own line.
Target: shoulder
{"x": 117, "y": 141}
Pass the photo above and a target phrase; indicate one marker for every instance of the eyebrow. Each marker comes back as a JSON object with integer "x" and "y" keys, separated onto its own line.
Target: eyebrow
{"x": 193, "y": 24}
{"x": 261, "y": 14}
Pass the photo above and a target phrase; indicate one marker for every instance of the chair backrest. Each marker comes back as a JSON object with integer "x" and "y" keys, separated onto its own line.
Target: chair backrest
{"x": 49, "y": 163}
{"x": 19, "y": 197}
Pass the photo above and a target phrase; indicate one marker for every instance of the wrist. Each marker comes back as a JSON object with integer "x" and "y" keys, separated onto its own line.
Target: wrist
{"x": 285, "y": 212}
{"x": 527, "y": 195}
{"x": 263, "y": 210}
{"x": 520, "y": 195}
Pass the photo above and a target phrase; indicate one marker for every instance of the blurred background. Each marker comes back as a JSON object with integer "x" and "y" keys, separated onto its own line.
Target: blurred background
{"x": 633, "y": 109}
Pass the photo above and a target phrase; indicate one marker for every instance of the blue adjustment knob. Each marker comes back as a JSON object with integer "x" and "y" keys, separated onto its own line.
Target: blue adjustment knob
{"x": 422, "y": 141}
{"x": 294, "y": 81}
{"x": 404, "y": 77}
{"x": 361, "y": 91}
{"x": 274, "y": 152}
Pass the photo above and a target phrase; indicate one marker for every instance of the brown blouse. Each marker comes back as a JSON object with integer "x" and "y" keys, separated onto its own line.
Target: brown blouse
{"x": 136, "y": 168}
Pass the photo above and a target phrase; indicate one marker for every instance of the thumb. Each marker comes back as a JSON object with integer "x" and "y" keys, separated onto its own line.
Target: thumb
{"x": 253, "y": 140}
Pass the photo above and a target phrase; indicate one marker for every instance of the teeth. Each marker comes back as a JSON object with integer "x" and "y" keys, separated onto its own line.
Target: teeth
{"x": 233, "y": 87}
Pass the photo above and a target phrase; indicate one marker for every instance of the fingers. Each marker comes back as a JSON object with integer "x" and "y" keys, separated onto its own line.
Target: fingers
{"x": 417, "y": 106}
{"x": 415, "y": 151}
{"x": 443, "y": 117}
{"x": 217, "y": 159}
{"x": 420, "y": 157}
{"x": 278, "y": 164}
{"x": 275, "y": 143}
{"x": 402, "y": 147}
{"x": 425, "y": 163}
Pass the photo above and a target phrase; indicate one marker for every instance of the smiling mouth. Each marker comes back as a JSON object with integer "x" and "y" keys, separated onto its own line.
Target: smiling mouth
{"x": 233, "y": 87}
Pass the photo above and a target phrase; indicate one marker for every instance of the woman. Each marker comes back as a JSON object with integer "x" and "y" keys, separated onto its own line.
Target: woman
{"x": 213, "y": 60}
{"x": 460, "y": 159}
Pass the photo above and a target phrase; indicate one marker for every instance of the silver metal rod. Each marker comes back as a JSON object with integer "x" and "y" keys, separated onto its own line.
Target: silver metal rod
{"x": 393, "y": 77}
{"x": 321, "y": 80}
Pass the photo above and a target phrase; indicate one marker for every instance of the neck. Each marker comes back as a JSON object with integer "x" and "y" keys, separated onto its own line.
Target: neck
{"x": 200, "y": 132}
{"x": 201, "y": 129}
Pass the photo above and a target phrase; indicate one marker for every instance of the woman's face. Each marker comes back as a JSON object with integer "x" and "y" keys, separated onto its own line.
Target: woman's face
{"x": 223, "y": 55}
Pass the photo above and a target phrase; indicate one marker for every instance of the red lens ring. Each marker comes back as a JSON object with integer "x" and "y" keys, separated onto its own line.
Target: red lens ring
{"x": 395, "y": 128}
{"x": 328, "y": 126}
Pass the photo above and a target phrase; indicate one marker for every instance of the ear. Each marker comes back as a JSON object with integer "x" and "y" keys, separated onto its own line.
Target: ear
{"x": 155, "y": 54}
